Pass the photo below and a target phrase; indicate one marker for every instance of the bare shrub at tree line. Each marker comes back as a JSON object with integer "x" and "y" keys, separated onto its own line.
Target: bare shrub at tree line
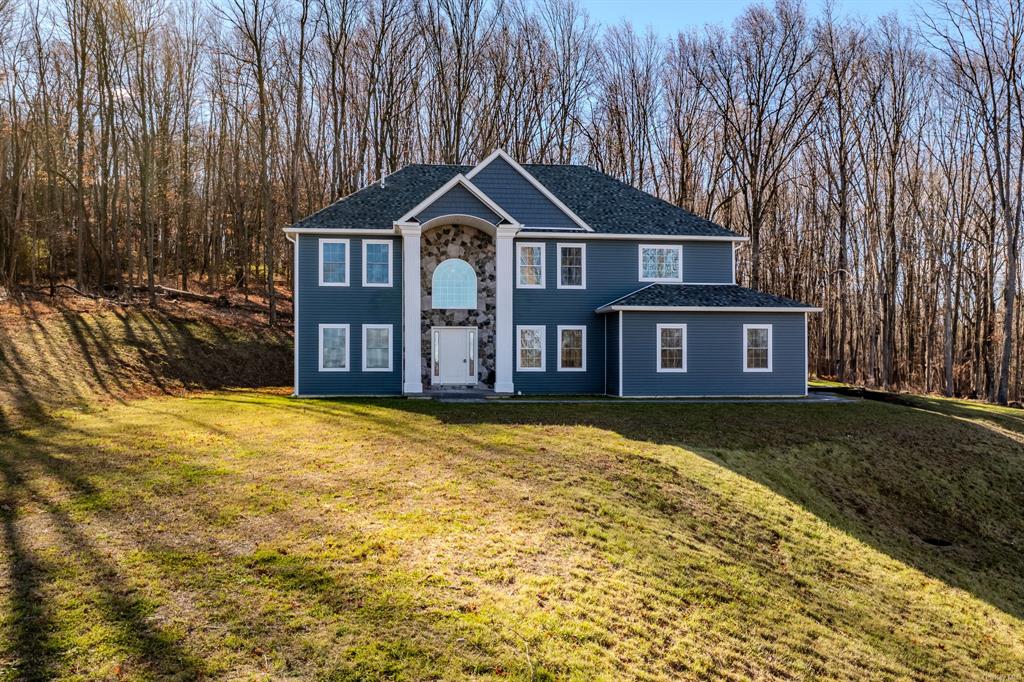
{"x": 877, "y": 168}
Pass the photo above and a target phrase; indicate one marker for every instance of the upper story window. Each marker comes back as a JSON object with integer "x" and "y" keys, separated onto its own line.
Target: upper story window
{"x": 572, "y": 266}
{"x": 334, "y": 262}
{"x": 757, "y": 348}
{"x": 453, "y": 285}
{"x": 376, "y": 263}
{"x": 530, "y": 265}
{"x": 661, "y": 263}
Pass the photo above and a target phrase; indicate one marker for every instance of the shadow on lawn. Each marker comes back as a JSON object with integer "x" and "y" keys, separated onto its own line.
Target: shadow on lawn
{"x": 923, "y": 486}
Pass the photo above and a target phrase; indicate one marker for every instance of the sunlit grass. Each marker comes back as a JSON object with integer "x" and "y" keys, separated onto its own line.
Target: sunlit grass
{"x": 245, "y": 534}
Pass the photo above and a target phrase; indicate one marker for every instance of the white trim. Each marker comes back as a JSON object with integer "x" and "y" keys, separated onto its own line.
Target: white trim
{"x": 583, "y": 348}
{"x": 348, "y": 347}
{"x": 662, "y": 247}
{"x": 734, "y": 263}
{"x": 533, "y": 181}
{"x": 412, "y": 349}
{"x": 504, "y": 295}
{"x": 622, "y": 389}
{"x": 657, "y": 357}
{"x": 543, "y": 347}
{"x": 459, "y": 179}
{"x": 391, "y": 262}
{"x": 540, "y": 234}
{"x": 807, "y": 371}
{"x": 543, "y": 263}
{"x": 295, "y": 314}
{"x": 535, "y": 234}
{"x": 391, "y": 347}
{"x": 703, "y": 309}
{"x": 583, "y": 265}
{"x": 320, "y": 261}
{"x": 745, "y": 339}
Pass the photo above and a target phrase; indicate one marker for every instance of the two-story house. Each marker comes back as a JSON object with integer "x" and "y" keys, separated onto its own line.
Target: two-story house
{"x": 535, "y": 279}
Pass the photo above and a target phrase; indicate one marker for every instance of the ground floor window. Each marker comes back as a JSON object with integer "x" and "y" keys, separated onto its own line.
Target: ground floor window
{"x": 530, "y": 348}
{"x": 671, "y": 352}
{"x": 757, "y": 348}
{"x": 334, "y": 348}
{"x": 377, "y": 347}
{"x": 572, "y": 348}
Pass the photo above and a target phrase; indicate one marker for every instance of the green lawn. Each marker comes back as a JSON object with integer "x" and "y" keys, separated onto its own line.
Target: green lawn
{"x": 251, "y": 535}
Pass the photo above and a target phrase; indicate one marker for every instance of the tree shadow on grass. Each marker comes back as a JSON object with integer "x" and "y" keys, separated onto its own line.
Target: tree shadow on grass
{"x": 925, "y": 487}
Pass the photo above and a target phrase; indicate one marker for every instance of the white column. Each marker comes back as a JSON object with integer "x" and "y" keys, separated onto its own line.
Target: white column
{"x": 411, "y": 335}
{"x": 504, "y": 334}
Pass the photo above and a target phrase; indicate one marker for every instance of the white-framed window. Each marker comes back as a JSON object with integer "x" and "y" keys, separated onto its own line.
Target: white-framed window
{"x": 757, "y": 348}
{"x": 334, "y": 347}
{"x": 377, "y": 349}
{"x": 530, "y": 342}
{"x": 572, "y": 266}
{"x": 572, "y": 348}
{"x": 377, "y": 268}
{"x": 334, "y": 262}
{"x": 671, "y": 344}
{"x": 530, "y": 265}
{"x": 661, "y": 263}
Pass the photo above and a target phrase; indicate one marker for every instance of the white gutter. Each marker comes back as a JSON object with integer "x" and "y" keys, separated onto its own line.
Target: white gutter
{"x": 707, "y": 309}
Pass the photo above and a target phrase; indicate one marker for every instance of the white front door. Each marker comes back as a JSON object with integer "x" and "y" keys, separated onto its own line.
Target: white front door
{"x": 453, "y": 355}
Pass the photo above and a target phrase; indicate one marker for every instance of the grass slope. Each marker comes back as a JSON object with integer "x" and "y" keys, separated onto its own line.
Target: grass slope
{"x": 250, "y": 535}
{"x": 78, "y": 352}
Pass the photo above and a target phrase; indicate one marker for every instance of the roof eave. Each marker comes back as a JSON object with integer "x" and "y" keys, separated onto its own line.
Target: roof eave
{"x": 707, "y": 308}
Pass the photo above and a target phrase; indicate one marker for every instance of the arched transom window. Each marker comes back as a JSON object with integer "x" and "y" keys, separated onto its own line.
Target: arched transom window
{"x": 454, "y": 285}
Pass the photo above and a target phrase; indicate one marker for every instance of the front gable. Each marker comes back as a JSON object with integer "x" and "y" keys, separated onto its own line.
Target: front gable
{"x": 458, "y": 197}
{"x": 522, "y": 195}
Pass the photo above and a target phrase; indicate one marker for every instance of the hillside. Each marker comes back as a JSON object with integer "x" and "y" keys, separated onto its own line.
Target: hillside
{"x": 249, "y": 535}
{"x": 76, "y": 353}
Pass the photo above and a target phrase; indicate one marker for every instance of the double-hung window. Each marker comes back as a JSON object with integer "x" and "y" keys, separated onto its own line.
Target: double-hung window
{"x": 530, "y": 265}
{"x": 671, "y": 347}
{"x": 334, "y": 262}
{"x": 661, "y": 263}
{"x": 572, "y": 266}
{"x": 334, "y": 347}
{"x": 376, "y": 347}
{"x": 376, "y": 263}
{"x": 757, "y": 348}
{"x": 530, "y": 348}
{"x": 572, "y": 348}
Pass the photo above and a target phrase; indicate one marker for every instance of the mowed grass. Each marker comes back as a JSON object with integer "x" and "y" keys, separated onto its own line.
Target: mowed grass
{"x": 250, "y": 535}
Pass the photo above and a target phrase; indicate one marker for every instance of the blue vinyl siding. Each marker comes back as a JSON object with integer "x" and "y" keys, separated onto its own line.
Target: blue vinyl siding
{"x": 612, "y": 270}
{"x": 612, "y": 353}
{"x": 354, "y": 305}
{"x": 714, "y": 364}
{"x": 458, "y": 201}
{"x": 707, "y": 262}
{"x": 524, "y": 202}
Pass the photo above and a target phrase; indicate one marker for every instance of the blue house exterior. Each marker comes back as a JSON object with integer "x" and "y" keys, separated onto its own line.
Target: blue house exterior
{"x": 535, "y": 279}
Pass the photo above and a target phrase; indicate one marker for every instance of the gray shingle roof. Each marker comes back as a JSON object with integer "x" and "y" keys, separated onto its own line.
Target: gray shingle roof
{"x": 606, "y": 204}
{"x": 701, "y": 296}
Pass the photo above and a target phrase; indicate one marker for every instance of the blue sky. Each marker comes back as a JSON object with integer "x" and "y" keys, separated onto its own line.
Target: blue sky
{"x": 667, "y": 17}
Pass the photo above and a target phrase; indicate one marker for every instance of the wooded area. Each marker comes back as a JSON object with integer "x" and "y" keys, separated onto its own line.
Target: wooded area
{"x": 877, "y": 168}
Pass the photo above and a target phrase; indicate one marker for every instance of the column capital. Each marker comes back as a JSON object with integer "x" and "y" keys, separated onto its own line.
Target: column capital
{"x": 507, "y": 231}
{"x": 409, "y": 228}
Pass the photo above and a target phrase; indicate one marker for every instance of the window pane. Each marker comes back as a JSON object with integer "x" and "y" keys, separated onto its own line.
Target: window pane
{"x": 530, "y": 265}
{"x": 757, "y": 348}
{"x": 335, "y": 342}
{"x": 571, "y": 348}
{"x": 334, "y": 261}
{"x": 571, "y": 273}
{"x": 757, "y": 338}
{"x": 671, "y": 348}
{"x": 377, "y": 348}
{"x": 378, "y": 257}
{"x": 660, "y": 263}
{"x": 454, "y": 285}
{"x": 530, "y": 348}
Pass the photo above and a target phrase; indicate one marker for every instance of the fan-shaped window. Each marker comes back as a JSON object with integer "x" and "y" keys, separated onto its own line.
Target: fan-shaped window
{"x": 454, "y": 285}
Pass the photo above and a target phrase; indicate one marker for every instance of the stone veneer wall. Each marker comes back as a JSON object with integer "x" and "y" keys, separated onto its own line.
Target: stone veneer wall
{"x": 477, "y": 249}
